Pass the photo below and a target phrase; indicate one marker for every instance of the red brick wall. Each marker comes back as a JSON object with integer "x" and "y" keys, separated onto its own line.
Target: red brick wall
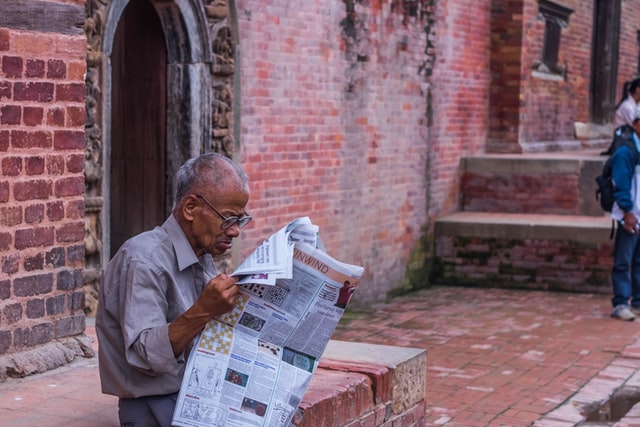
{"x": 460, "y": 97}
{"x": 333, "y": 127}
{"x": 42, "y": 115}
{"x": 629, "y": 53}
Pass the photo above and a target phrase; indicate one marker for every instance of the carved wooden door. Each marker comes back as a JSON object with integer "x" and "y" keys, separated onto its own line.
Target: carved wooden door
{"x": 138, "y": 124}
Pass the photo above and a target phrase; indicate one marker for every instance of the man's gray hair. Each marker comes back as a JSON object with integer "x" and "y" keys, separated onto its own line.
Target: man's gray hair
{"x": 196, "y": 172}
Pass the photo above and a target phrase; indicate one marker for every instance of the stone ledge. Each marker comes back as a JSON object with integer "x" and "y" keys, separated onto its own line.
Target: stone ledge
{"x": 359, "y": 383}
{"x": 577, "y": 228}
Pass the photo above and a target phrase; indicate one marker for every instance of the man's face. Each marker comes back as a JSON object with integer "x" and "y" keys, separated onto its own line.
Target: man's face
{"x": 207, "y": 234}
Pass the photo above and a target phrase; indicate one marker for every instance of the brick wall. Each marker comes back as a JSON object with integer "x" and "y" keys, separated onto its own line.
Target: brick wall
{"x": 333, "y": 127}
{"x": 42, "y": 142}
{"x": 542, "y": 264}
{"x": 538, "y": 111}
{"x": 460, "y": 97}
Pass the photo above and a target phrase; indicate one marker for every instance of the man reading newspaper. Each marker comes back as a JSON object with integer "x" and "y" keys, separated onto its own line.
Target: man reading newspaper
{"x": 161, "y": 289}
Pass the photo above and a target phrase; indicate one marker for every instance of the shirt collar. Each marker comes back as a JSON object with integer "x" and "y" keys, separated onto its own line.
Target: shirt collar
{"x": 184, "y": 252}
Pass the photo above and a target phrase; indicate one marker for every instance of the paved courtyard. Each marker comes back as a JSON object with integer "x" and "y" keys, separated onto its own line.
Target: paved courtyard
{"x": 496, "y": 357}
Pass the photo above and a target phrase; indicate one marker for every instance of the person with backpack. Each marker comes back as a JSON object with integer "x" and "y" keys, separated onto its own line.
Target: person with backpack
{"x": 625, "y": 274}
{"x": 627, "y": 106}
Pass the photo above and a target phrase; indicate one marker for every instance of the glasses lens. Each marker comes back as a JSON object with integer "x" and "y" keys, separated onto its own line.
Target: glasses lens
{"x": 244, "y": 221}
{"x": 233, "y": 220}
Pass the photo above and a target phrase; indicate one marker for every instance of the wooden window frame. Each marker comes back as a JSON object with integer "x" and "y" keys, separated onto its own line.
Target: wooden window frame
{"x": 556, "y": 18}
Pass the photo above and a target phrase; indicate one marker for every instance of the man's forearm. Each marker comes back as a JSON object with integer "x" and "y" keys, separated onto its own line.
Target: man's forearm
{"x": 186, "y": 327}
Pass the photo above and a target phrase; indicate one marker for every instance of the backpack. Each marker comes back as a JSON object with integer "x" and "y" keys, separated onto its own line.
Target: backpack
{"x": 604, "y": 191}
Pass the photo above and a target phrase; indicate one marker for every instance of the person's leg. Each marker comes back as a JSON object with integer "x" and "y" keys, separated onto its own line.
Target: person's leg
{"x": 635, "y": 276}
{"x": 623, "y": 251}
{"x": 149, "y": 411}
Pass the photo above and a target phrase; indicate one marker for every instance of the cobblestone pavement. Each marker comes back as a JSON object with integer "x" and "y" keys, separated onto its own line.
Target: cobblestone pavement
{"x": 496, "y": 357}
{"x": 507, "y": 357}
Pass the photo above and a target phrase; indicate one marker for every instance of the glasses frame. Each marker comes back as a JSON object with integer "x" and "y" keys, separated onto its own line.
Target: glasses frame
{"x": 228, "y": 221}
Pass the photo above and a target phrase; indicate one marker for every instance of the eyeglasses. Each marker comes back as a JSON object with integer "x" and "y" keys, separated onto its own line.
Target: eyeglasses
{"x": 228, "y": 221}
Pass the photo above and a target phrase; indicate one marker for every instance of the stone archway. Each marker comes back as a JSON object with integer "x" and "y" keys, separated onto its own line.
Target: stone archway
{"x": 200, "y": 80}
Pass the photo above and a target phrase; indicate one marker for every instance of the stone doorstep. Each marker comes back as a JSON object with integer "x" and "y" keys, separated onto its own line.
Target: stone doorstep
{"x": 357, "y": 381}
{"x": 577, "y": 228}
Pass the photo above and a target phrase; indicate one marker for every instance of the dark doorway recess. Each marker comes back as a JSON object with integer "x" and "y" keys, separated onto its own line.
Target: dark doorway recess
{"x": 138, "y": 124}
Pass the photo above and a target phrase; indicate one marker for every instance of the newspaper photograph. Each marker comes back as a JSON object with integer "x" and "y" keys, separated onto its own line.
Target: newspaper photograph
{"x": 252, "y": 366}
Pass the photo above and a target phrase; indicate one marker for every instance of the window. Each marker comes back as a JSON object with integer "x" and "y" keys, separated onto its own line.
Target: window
{"x": 556, "y": 18}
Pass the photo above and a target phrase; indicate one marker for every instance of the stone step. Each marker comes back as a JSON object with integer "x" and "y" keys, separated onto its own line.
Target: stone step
{"x": 529, "y": 251}
{"x": 543, "y": 183}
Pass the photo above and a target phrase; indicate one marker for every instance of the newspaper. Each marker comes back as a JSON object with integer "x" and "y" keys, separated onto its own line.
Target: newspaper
{"x": 252, "y": 366}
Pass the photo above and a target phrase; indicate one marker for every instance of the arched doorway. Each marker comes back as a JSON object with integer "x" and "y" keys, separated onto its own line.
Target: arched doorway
{"x": 138, "y": 124}
{"x": 199, "y": 82}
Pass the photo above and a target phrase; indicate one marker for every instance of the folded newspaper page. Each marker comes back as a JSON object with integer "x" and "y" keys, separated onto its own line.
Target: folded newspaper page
{"x": 252, "y": 366}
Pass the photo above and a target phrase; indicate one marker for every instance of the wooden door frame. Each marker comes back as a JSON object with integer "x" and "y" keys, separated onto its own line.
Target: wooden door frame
{"x": 188, "y": 117}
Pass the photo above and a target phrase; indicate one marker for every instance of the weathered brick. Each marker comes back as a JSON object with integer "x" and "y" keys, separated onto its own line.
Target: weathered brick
{"x": 75, "y": 253}
{"x": 55, "y": 116}
{"x": 77, "y": 300}
{"x": 70, "y": 92}
{"x": 35, "y": 68}
{"x": 4, "y": 191}
{"x": 34, "y": 237}
{"x": 33, "y": 91}
{"x": 34, "y": 214}
{"x": 71, "y": 186}
{"x": 68, "y": 140}
{"x": 35, "y": 262}
{"x": 11, "y": 166}
{"x": 56, "y": 305}
{"x": 35, "y": 309}
{"x": 32, "y": 190}
{"x": 70, "y": 232}
{"x": 11, "y": 263}
{"x": 5, "y": 289}
{"x": 12, "y": 313}
{"x": 32, "y": 116}
{"x": 29, "y": 286}
{"x": 75, "y": 163}
{"x": 65, "y": 280}
{"x": 76, "y": 116}
{"x": 5, "y": 241}
{"x": 76, "y": 70}
{"x": 5, "y": 341}
{"x": 5, "y": 89}
{"x": 55, "y": 211}
{"x": 75, "y": 209}
{"x": 10, "y": 115}
{"x": 70, "y": 326}
{"x": 33, "y": 140}
{"x": 10, "y": 215}
{"x": 12, "y": 66}
{"x": 31, "y": 337}
{"x": 55, "y": 257}
{"x": 34, "y": 165}
{"x": 56, "y": 69}
{"x": 4, "y": 39}
{"x": 4, "y": 140}
{"x": 55, "y": 165}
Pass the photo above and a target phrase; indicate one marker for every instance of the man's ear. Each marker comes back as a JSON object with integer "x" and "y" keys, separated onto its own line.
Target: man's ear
{"x": 188, "y": 206}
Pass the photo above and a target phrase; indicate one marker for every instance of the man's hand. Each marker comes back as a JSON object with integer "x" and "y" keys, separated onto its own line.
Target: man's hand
{"x": 218, "y": 297}
{"x": 630, "y": 222}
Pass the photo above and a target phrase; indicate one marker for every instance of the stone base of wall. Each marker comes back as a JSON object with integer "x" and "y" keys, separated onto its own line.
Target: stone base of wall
{"x": 544, "y": 252}
{"x": 45, "y": 358}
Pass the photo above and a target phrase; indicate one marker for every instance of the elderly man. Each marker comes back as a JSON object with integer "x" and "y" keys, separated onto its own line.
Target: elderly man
{"x": 161, "y": 288}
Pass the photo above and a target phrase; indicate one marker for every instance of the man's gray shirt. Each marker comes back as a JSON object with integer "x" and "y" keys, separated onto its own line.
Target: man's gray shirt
{"x": 153, "y": 279}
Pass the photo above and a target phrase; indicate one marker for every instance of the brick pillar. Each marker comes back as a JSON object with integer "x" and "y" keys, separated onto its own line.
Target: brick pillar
{"x": 42, "y": 142}
{"x": 505, "y": 63}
